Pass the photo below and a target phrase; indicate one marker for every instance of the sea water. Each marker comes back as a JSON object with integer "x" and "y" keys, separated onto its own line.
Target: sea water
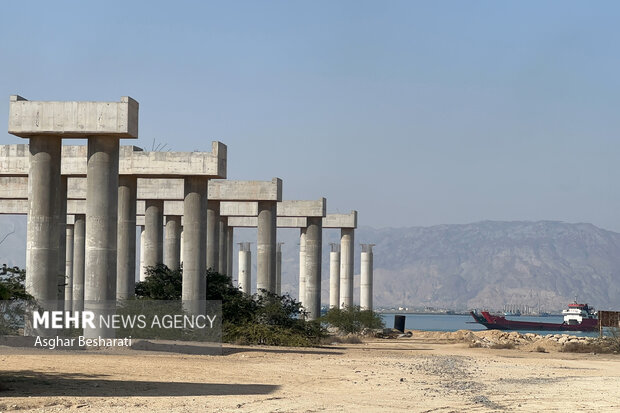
{"x": 454, "y": 322}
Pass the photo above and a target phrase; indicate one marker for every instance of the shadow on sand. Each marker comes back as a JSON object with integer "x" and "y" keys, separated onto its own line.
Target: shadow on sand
{"x": 24, "y": 383}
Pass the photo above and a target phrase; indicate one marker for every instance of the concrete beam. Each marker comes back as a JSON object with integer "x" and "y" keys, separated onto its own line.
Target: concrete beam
{"x": 73, "y": 119}
{"x": 282, "y": 222}
{"x": 14, "y": 161}
{"x": 238, "y": 209}
{"x": 302, "y": 208}
{"x": 245, "y": 190}
{"x": 340, "y": 220}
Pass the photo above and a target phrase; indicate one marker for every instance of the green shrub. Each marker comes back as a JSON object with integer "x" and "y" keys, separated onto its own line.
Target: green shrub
{"x": 161, "y": 283}
{"x": 15, "y": 300}
{"x": 264, "y": 318}
{"x": 352, "y": 319}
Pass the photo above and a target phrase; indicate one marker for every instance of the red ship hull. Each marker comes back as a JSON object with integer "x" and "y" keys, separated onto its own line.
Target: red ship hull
{"x": 496, "y": 322}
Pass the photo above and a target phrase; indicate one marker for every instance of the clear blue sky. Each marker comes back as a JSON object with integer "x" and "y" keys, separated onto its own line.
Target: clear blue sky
{"x": 413, "y": 113}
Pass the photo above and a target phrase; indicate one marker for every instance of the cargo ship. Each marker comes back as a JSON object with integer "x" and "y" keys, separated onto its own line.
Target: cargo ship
{"x": 578, "y": 317}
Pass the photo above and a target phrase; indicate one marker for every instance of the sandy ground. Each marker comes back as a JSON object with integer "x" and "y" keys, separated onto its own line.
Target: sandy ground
{"x": 414, "y": 375}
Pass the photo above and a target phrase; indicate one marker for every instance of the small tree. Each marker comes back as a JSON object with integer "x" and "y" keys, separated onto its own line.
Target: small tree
{"x": 161, "y": 283}
{"x": 352, "y": 320}
{"x": 15, "y": 299}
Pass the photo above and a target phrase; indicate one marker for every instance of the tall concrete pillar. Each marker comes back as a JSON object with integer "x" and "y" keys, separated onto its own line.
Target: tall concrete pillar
{"x": 181, "y": 248}
{"x": 154, "y": 232}
{"x": 245, "y": 268}
{"x": 347, "y": 238}
{"x": 101, "y": 228}
{"x": 126, "y": 238}
{"x": 334, "y": 276}
{"x": 172, "y": 242}
{"x": 266, "y": 246}
{"x": 230, "y": 231}
{"x": 314, "y": 245}
{"x": 79, "y": 261}
{"x": 366, "y": 277}
{"x": 69, "y": 267}
{"x": 223, "y": 245}
{"x": 302, "y": 265}
{"x": 62, "y": 242}
{"x": 194, "y": 288}
{"x": 213, "y": 231}
{"x": 142, "y": 267}
{"x": 279, "y": 268}
{"x": 43, "y": 219}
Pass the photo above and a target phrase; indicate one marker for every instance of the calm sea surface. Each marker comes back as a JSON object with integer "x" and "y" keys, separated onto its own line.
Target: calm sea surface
{"x": 452, "y": 322}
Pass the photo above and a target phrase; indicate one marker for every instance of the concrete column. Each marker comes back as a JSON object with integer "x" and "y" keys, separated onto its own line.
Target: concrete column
{"x": 142, "y": 267}
{"x": 366, "y": 277}
{"x": 245, "y": 268}
{"x": 266, "y": 246}
{"x": 101, "y": 229}
{"x": 314, "y": 245}
{"x": 279, "y": 268}
{"x": 69, "y": 267}
{"x": 347, "y": 237}
{"x": 43, "y": 220}
{"x": 334, "y": 276}
{"x": 62, "y": 242}
{"x": 213, "y": 231}
{"x": 172, "y": 242}
{"x": 154, "y": 232}
{"x": 302, "y": 265}
{"x": 79, "y": 260}
{"x": 126, "y": 238}
{"x": 230, "y": 231}
{"x": 223, "y": 245}
{"x": 181, "y": 253}
{"x": 194, "y": 244}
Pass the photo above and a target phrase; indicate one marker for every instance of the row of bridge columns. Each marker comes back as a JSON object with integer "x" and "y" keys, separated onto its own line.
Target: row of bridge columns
{"x": 97, "y": 251}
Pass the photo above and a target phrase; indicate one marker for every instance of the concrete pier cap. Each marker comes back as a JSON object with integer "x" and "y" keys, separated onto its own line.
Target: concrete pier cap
{"x": 73, "y": 119}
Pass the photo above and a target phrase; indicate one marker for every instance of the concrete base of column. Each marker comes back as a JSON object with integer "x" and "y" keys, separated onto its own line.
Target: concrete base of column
{"x": 172, "y": 242}
{"x": 230, "y": 231}
{"x": 366, "y": 279}
{"x": 334, "y": 279}
{"x": 279, "y": 268}
{"x": 101, "y": 230}
{"x": 266, "y": 246}
{"x": 43, "y": 220}
{"x": 142, "y": 269}
{"x": 194, "y": 288}
{"x": 314, "y": 245}
{"x": 213, "y": 235}
{"x": 223, "y": 245}
{"x": 302, "y": 266}
{"x": 154, "y": 232}
{"x": 347, "y": 238}
{"x": 69, "y": 268}
{"x": 79, "y": 259}
{"x": 245, "y": 271}
{"x": 126, "y": 238}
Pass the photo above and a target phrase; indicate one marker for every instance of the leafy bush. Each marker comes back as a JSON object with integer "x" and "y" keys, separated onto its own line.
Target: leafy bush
{"x": 264, "y": 318}
{"x": 12, "y": 284}
{"x": 352, "y": 319}
{"x": 15, "y": 300}
{"x": 161, "y": 283}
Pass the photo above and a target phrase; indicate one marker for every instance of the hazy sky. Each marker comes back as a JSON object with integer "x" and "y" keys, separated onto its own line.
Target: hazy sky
{"x": 413, "y": 113}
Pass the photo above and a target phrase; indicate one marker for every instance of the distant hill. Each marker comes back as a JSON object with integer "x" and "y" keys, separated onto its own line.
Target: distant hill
{"x": 480, "y": 265}
{"x": 489, "y": 264}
